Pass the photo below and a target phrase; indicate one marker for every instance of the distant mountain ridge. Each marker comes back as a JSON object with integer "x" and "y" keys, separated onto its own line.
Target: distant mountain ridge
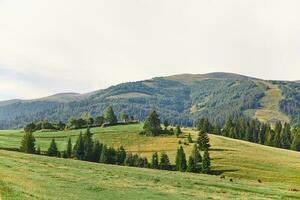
{"x": 181, "y": 99}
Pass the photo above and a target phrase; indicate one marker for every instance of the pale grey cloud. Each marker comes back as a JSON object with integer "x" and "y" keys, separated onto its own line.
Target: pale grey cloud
{"x": 77, "y": 45}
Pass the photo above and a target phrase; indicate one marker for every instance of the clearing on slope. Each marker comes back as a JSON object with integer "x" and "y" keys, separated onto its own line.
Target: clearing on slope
{"x": 269, "y": 110}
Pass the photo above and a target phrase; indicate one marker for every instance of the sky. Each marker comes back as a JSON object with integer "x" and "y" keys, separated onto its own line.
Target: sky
{"x": 53, "y": 46}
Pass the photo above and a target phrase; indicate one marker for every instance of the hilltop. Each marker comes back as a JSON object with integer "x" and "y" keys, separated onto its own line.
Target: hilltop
{"x": 181, "y": 99}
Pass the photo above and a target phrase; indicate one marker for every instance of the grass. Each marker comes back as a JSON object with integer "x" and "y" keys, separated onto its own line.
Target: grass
{"x": 26, "y": 176}
{"x": 269, "y": 110}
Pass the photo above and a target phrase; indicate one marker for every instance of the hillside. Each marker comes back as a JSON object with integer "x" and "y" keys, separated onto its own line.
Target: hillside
{"x": 244, "y": 162}
{"x": 181, "y": 99}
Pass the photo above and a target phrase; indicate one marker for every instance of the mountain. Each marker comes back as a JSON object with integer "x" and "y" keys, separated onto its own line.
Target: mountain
{"x": 181, "y": 99}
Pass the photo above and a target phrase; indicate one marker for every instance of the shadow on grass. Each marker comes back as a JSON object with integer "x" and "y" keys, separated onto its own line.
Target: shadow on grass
{"x": 220, "y": 172}
{"x": 216, "y": 149}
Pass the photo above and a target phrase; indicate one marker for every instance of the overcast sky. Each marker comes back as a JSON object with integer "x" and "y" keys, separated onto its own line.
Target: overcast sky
{"x": 52, "y": 46}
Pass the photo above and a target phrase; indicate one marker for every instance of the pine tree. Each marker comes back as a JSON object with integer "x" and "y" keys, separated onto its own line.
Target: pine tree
{"x": 111, "y": 155}
{"x": 164, "y": 162}
{"x": 28, "y": 143}
{"x": 286, "y": 136}
{"x": 38, "y": 151}
{"x": 270, "y": 138}
{"x": 178, "y": 131}
{"x": 197, "y": 158}
{"x": 96, "y": 151}
{"x": 52, "y": 150}
{"x": 79, "y": 148}
{"x": 104, "y": 155}
{"x": 262, "y": 133}
{"x": 152, "y": 125}
{"x": 180, "y": 160}
{"x": 69, "y": 149}
{"x": 296, "y": 142}
{"x": 154, "y": 161}
{"x": 191, "y": 165}
{"x": 129, "y": 161}
{"x": 203, "y": 141}
{"x": 206, "y": 162}
{"x": 88, "y": 145}
{"x": 110, "y": 116}
{"x": 120, "y": 156}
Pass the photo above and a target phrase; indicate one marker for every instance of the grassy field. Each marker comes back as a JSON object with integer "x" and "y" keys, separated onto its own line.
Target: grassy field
{"x": 38, "y": 177}
{"x": 269, "y": 111}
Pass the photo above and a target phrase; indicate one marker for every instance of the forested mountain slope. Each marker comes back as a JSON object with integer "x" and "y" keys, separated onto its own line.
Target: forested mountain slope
{"x": 180, "y": 99}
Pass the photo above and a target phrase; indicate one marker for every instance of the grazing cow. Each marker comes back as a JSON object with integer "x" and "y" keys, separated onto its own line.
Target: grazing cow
{"x": 259, "y": 180}
{"x": 222, "y": 177}
{"x": 231, "y": 180}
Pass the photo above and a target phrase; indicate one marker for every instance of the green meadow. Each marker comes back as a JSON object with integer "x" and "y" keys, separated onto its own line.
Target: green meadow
{"x": 25, "y": 176}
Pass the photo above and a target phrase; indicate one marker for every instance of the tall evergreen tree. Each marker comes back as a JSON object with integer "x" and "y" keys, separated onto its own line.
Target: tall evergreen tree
{"x": 152, "y": 124}
{"x": 191, "y": 167}
{"x": 296, "y": 142}
{"x": 203, "y": 141}
{"x": 111, "y": 155}
{"x": 110, "y": 116}
{"x": 129, "y": 161}
{"x": 28, "y": 143}
{"x": 104, "y": 155}
{"x": 120, "y": 156}
{"x": 181, "y": 160}
{"x": 154, "y": 161}
{"x": 52, "y": 150}
{"x": 164, "y": 162}
{"x": 178, "y": 131}
{"x": 206, "y": 162}
{"x": 88, "y": 144}
{"x": 79, "y": 148}
{"x": 197, "y": 158}
{"x": 286, "y": 136}
{"x": 96, "y": 151}
{"x": 38, "y": 150}
{"x": 69, "y": 149}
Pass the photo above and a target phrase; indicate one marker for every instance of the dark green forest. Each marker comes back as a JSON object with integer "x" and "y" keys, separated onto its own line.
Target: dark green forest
{"x": 216, "y": 97}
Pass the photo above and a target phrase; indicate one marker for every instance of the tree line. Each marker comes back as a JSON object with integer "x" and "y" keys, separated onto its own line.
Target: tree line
{"x": 84, "y": 121}
{"x": 88, "y": 149}
{"x": 281, "y": 136}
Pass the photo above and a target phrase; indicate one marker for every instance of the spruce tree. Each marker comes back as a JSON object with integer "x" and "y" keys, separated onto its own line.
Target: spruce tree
{"x": 206, "y": 162}
{"x": 164, "y": 162}
{"x": 88, "y": 144}
{"x": 180, "y": 160}
{"x": 178, "y": 131}
{"x": 203, "y": 141}
{"x": 104, "y": 155}
{"x": 111, "y": 155}
{"x": 96, "y": 151}
{"x": 191, "y": 167}
{"x": 79, "y": 148}
{"x": 129, "y": 161}
{"x": 154, "y": 161}
{"x": 28, "y": 143}
{"x": 52, "y": 150}
{"x": 296, "y": 142}
{"x": 110, "y": 116}
{"x": 286, "y": 136}
{"x": 120, "y": 156}
{"x": 197, "y": 158}
{"x": 68, "y": 152}
{"x": 152, "y": 125}
{"x": 38, "y": 150}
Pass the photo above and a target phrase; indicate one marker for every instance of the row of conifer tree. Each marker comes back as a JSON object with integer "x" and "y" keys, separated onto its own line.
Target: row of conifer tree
{"x": 87, "y": 149}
